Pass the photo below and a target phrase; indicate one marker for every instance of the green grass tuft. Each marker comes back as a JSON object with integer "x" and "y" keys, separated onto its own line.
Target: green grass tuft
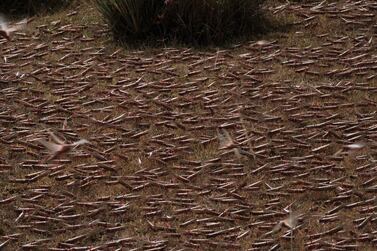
{"x": 188, "y": 21}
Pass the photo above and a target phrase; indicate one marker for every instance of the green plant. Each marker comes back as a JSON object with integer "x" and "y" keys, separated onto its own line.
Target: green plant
{"x": 131, "y": 18}
{"x": 212, "y": 20}
{"x": 192, "y": 21}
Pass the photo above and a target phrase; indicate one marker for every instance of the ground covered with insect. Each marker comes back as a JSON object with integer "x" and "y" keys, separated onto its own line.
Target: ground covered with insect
{"x": 268, "y": 144}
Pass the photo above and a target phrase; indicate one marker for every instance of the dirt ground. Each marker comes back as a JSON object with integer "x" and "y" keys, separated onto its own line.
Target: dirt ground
{"x": 267, "y": 145}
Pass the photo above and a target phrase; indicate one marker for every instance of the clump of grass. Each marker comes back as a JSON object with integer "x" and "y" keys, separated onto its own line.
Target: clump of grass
{"x": 31, "y": 7}
{"x": 212, "y": 20}
{"x": 131, "y": 18}
{"x": 187, "y": 21}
